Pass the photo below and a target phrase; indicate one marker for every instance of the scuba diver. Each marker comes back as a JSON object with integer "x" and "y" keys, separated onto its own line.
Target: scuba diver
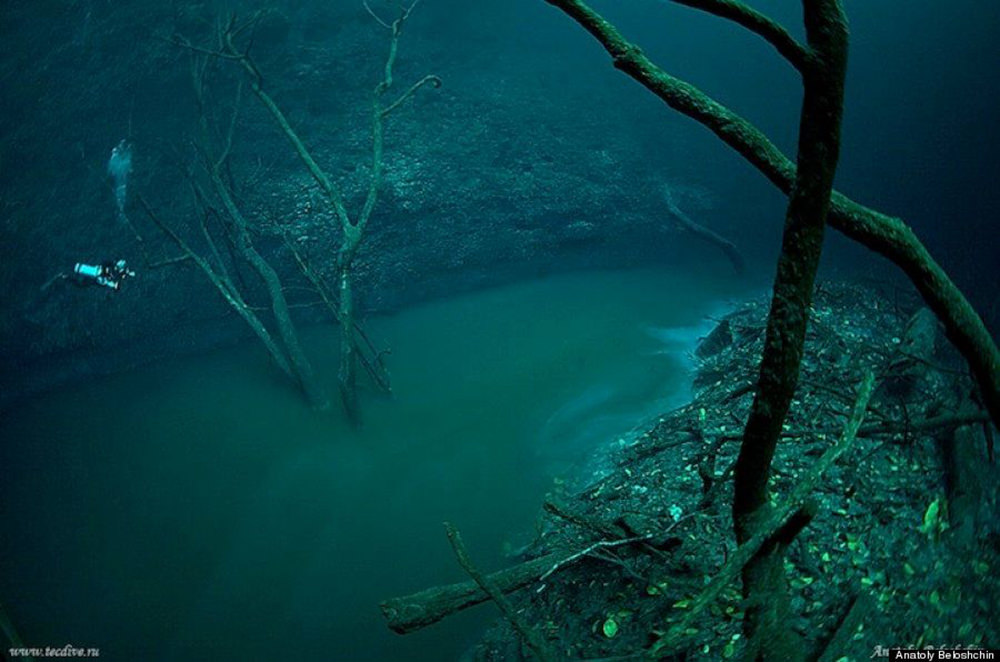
{"x": 108, "y": 274}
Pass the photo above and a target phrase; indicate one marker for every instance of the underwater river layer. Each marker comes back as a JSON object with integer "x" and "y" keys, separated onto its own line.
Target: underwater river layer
{"x": 198, "y": 510}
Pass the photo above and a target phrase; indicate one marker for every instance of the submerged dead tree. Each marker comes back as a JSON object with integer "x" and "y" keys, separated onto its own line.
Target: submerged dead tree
{"x": 285, "y": 349}
{"x": 214, "y": 269}
{"x": 352, "y": 229}
{"x": 213, "y": 164}
{"x": 764, "y": 584}
{"x": 886, "y": 235}
{"x": 369, "y": 356}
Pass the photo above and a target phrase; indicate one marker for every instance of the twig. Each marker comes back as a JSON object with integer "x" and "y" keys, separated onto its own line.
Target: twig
{"x": 529, "y": 634}
{"x": 798, "y": 55}
{"x": 590, "y": 524}
{"x": 170, "y": 261}
{"x": 586, "y": 551}
{"x": 429, "y": 79}
{"x": 698, "y": 230}
{"x": 611, "y": 544}
{"x": 185, "y": 44}
{"x": 610, "y": 557}
{"x": 376, "y": 17}
{"x": 958, "y": 419}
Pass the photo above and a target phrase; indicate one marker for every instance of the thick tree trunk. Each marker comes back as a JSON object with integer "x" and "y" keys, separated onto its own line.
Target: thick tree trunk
{"x": 764, "y": 584}
{"x": 299, "y": 362}
{"x": 286, "y": 328}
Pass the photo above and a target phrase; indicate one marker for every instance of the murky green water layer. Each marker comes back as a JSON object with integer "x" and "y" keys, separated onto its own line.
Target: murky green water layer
{"x": 199, "y": 511}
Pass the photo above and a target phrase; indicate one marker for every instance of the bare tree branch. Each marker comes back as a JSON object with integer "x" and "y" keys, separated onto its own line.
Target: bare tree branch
{"x": 377, "y": 18}
{"x": 528, "y": 633}
{"x": 798, "y": 55}
{"x": 226, "y": 289}
{"x": 708, "y": 235}
{"x": 430, "y": 79}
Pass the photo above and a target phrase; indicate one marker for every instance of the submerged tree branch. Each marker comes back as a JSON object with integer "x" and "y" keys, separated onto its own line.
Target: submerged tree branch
{"x": 416, "y": 611}
{"x": 431, "y": 79}
{"x": 708, "y": 235}
{"x": 371, "y": 362}
{"x": 228, "y": 291}
{"x": 756, "y": 22}
{"x": 214, "y": 161}
{"x": 352, "y": 230}
{"x": 528, "y": 633}
{"x": 764, "y": 584}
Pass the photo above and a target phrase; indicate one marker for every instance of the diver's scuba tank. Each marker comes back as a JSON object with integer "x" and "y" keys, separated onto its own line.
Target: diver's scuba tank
{"x": 106, "y": 275}
{"x": 87, "y": 270}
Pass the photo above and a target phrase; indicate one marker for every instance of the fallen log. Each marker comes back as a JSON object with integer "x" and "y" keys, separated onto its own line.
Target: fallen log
{"x": 413, "y": 612}
{"x": 418, "y": 610}
{"x": 529, "y": 634}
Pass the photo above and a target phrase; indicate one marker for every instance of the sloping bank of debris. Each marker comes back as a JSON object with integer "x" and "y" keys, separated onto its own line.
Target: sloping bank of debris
{"x": 903, "y": 547}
